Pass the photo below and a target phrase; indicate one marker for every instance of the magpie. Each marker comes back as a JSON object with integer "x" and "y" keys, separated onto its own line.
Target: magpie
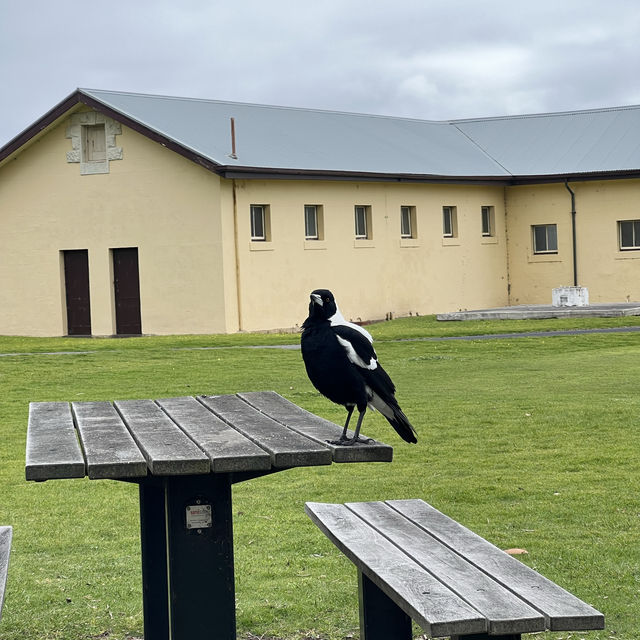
{"x": 343, "y": 366}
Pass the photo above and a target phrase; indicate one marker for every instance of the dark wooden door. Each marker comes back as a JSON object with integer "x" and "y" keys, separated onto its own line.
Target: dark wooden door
{"x": 76, "y": 284}
{"x": 126, "y": 285}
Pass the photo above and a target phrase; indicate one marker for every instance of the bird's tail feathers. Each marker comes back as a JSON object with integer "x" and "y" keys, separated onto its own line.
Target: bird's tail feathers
{"x": 395, "y": 416}
{"x": 401, "y": 424}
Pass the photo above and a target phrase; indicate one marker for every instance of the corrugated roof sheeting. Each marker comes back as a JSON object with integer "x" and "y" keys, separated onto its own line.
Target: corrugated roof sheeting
{"x": 305, "y": 139}
{"x": 271, "y": 139}
{"x": 562, "y": 143}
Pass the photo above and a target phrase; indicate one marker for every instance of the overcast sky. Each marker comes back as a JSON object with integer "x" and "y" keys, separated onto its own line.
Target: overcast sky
{"x": 430, "y": 59}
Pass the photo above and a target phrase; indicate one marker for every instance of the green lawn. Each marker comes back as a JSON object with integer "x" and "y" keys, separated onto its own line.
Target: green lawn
{"x": 530, "y": 442}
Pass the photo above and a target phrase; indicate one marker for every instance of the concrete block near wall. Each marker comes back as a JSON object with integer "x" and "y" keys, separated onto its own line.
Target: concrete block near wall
{"x": 570, "y": 297}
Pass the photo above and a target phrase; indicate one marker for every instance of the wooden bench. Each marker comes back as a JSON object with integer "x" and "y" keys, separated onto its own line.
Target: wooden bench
{"x": 5, "y": 548}
{"x": 417, "y": 563}
{"x": 185, "y": 454}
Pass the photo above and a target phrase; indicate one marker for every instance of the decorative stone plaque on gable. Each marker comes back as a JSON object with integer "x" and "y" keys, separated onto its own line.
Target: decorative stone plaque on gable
{"x": 93, "y": 141}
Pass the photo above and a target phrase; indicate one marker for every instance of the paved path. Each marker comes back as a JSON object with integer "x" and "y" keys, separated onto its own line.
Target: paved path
{"x": 529, "y": 334}
{"x": 487, "y": 336}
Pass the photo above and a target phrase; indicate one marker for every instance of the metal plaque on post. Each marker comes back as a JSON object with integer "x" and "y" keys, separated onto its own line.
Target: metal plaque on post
{"x": 199, "y": 516}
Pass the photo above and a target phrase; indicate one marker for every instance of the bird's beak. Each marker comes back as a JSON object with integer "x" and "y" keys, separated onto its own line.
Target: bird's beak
{"x": 316, "y": 299}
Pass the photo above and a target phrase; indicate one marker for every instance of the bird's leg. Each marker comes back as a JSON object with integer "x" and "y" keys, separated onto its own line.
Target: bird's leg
{"x": 356, "y": 438}
{"x": 346, "y": 424}
{"x": 358, "y": 425}
{"x": 343, "y": 438}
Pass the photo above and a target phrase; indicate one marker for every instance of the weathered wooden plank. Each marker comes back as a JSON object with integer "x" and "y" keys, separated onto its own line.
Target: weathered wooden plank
{"x": 505, "y": 612}
{"x": 437, "y": 609}
{"x": 52, "y": 445}
{"x": 5, "y": 549}
{"x": 286, "y": 447}
{"x": 167, "y": 450}
{"x": 109, "y": 449}
{"x": 228, "y": 450}
{"x": 316, "y": 428}
{"x": 562, "y": 610}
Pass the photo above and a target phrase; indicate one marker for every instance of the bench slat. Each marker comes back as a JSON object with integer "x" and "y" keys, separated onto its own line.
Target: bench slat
{"x": 5, "y": 549}
{"x": 228, "y": 450}
{"x": 438, "y": 610}
{"x": 167, "y": 450}
{"x": 52, "y": 444}
{"x": 505, "y": 612}
{"x": 563, "y": 611}
{"x": 101, "y": 428}
{"x": 316, "y": 428}
{"x": 286, "y": 447}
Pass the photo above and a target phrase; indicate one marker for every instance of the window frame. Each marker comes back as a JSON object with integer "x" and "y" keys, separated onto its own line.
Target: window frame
{"x": 262, "y": 211}
{"x": 362, "y": 211}
{"x": 450, "y": 216}
{"x": 318, "y": 221}
{"x": 635, "y": 235}
{"x": 534, "y": 239}
{"x": 487, "y": 215}
{"x": 408, "y": 214}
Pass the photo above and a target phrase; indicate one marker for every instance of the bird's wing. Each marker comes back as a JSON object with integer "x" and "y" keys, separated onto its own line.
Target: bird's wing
{"x": 358, "y": 347}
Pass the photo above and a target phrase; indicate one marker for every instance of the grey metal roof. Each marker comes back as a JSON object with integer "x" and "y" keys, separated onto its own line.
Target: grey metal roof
{"x": 273, "y": 139}
{"x": 573, "y": 142}
{"x": 305, "y": 139}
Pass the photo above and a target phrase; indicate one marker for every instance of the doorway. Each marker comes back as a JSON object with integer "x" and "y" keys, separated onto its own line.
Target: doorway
{"x": 76, "y": 285}
{"x": 126, "y": 289}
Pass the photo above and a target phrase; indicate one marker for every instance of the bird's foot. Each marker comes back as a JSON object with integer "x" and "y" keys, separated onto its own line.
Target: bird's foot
{"x": 347, "y": 442}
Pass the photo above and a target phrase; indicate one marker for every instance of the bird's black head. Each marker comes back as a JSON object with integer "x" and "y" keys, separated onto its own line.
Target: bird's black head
{"x": 322, "y": 305}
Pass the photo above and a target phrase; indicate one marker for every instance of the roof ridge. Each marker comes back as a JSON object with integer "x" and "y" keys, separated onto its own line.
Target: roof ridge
{"x": 548, "y": 114}
{"x": 446, "y": 121}
{"x": 263, "y": 105}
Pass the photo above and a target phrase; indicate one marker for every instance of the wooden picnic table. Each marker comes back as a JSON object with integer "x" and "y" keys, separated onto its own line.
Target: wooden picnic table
{"x": 185, "y": 454}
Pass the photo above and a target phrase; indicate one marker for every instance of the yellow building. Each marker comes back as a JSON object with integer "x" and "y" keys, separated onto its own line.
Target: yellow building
{"x": 126, "y": 213}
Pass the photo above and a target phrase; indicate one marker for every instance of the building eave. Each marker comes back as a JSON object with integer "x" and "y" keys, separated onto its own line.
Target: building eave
{"x": 257, "y": 173}
{"x": 53, "y": 115}
{"x": 591, "y": 176}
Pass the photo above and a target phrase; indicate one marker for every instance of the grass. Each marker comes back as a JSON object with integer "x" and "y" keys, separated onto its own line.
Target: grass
{"x": 530, "y": 442}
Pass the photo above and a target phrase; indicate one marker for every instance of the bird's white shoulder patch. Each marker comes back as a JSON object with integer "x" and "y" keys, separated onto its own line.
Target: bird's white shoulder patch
{"x": 338, "y": 319}
{"x": 354, "y": 357}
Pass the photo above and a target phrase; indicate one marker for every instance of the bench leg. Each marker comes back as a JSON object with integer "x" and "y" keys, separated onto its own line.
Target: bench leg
{"x": 380, "y": 617}
{"x": 153, "y": 543}
{"x": 187, "y": 573}
{"x": 200, "y": 559}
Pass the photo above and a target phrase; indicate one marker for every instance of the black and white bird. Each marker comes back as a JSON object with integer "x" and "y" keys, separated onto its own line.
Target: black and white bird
{"x": 343, "y": 366}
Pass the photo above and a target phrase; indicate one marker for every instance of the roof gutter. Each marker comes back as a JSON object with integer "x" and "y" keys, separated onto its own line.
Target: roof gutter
{"x": 573, "y": 232}
{"x": 257, "y": 173}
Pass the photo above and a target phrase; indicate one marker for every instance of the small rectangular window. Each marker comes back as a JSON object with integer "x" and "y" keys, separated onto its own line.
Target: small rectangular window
{"x": 313, "y": 222}
{"x": 407, "y": 222}
{"x": 629, "y": 234}
{"x": 488, "y": 221}
{"x": 310, "y": 222}
{"x": 94, "y": 143}
{"x": 545, "y": 238}
{"x": 259, "y": 222}
{"x": 449, "y": 222}
{"x": 363, "y": 222}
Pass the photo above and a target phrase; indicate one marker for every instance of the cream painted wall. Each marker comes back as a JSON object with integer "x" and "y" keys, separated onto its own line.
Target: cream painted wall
{"x": 532, "y": 276}
{"x": 201, "y": 273}
{"x": 152, "y": 199}
{"x": 370, "y": 278}
{"x": 609, "y": 274}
